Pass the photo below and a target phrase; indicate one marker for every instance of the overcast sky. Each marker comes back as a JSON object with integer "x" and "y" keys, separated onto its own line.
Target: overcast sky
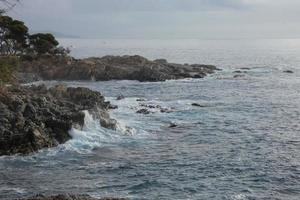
{"x": 207, "y": 19}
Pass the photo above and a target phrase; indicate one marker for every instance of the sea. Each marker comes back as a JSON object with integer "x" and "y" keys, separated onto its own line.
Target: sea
{"x": 242, "y": 143}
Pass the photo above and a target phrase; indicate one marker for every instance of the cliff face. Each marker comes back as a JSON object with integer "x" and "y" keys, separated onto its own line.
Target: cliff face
{"x": 32, "y": 118}
{"x": 111, "y": 68}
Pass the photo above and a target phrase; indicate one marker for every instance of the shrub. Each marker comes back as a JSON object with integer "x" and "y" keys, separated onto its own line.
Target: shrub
{"x": 8, "y": 67}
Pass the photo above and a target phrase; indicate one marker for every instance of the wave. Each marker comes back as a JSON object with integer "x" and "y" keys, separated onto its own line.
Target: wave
{"x": 93, "y": 135}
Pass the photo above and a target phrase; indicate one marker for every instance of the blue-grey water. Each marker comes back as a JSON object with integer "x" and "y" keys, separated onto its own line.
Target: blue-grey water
{"x": 244, "y": 144}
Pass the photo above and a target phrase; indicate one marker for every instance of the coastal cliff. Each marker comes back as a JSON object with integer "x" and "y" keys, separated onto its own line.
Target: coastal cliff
{"x": 35, "y": 117}
{"x": 108, "y": 68}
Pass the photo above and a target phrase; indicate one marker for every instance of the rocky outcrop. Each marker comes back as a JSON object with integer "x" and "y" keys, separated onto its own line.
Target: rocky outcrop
{"x": 288, "y": 71}
{"x": 69, "y": 197}
{"x": 32, "y": 118}
{"x": 110, "y": 68}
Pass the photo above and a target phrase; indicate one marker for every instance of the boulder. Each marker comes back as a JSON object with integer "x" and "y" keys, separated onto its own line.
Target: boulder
{"x": 197, "y": 105}
{"x": 120, "y": 97}
{"x": 143, "y": 111}
{"x": 35, "y": 117}
{"x": 288, "y": 71}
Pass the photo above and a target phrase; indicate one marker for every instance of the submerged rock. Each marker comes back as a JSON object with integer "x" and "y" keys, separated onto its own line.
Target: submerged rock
{"x": 120, "y": 97}
{"x": 172, "y": 125}
{"x": 111, "y": 68}
{"x": 239, "y": 76}
{"x": 143, "y": 111}
{"x": 197, "y": 105}
{"x": 245, "y": 68}
{"x": 32, "y": 118}
{"x": 288, "y": 71}
{"x": 140, "y": 99}
{"x": 69, "y": 197}
{"x": 165, "y": 110}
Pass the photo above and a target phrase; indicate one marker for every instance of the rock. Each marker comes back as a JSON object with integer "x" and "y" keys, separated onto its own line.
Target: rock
{"x": 165, "y": 110}
{"x": 34, "y": 117}
{"x": 150, "y": 106}
{"x": 105, "y": 120}
{"x": 143, "y": 111}
{"x": 288, "y": 71}
{"x": 113, "y": 107}
{"x": 172, "y": 125}
{"x": 197, "y": 105}
{"x": 120, "y": 97}
{"x": 239, "y": 76}
{"x": 239, "y": 71}
{"x": 69, "y": 197}
{"x": 111, "y": 68}
{"x": 245, "y": 68}
{"x": 161, "y": 61}
{"x": 140, "y": 99}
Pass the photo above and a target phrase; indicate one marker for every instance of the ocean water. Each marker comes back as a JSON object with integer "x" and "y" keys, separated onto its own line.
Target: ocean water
{"x": 243, "y": 144}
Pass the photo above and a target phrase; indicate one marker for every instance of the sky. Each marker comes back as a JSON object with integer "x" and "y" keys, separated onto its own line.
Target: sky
{"x": 152, "y": 19}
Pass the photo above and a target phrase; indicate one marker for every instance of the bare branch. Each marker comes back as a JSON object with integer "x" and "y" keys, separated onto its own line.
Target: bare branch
{"x": 7, "y": 5}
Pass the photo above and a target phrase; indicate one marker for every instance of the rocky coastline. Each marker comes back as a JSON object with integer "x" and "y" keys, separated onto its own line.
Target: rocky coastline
{"x": 32, "y": 118}
{"x": 36, "y": 117}
{"x": 108, "y": 68}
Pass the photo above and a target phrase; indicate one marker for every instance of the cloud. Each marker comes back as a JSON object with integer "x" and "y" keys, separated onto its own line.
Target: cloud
{"x": 164, "y": 18}
{"x": 152, "y": 5}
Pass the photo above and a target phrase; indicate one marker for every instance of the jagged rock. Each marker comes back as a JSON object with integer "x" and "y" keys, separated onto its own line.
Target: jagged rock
{"x": 245, "y": 68}
{"x": 165, "y": 110}
{"x": 113, "y": 107}
{"x": 141, "y": 99}
{"x": 35, "y": 117}
{"x": 111, "y": 68}
{"x": 288, "y": 71}
{"x": 197, "y": 105}
{"x": 150, "y": 106}
{"x": 172, "y": 125}
{"x": 120, "y": 97}
{"x": 143, "y": 111}
{"x": 239, "y": 76}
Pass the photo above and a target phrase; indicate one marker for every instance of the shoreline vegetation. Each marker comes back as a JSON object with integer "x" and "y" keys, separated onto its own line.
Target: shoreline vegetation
{"x": 37, "y": 117}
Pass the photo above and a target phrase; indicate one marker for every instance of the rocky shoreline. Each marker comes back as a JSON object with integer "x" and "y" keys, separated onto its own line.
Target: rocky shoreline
{"x": 37, "y": 117}
{"x": 32, "y": 118}
{"x": 108, "y": 68}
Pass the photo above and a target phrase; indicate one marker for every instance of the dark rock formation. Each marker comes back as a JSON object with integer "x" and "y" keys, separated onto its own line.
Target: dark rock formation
{"x": 239, "y": 76}
{"x": 120, "y": 97}
{"x": 32, "y": 118}
{"x": 288, "y": 71}
{"x": 69, "y": 197}
{"x": 143, "y": 111}
{"x": 112, "y": 68}
{"x": 239, "y": 71}
{"x": 197, "y": 105}
{"x": 172, "y": 125}
{"x": 245, "y": 68}
{"x": 141, "y": 99}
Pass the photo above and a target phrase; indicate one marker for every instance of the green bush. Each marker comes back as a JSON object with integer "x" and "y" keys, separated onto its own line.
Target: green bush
{"x": 8, "y": 67}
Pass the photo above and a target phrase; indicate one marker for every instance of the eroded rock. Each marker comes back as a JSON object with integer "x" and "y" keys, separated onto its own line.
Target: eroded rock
{"x": 35, "y": 117}
{"x": 111, "y": 68}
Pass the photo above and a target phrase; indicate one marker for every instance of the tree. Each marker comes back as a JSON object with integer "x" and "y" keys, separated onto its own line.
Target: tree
{"x": 43, "y": 43}
{"x": 13, "y": 36}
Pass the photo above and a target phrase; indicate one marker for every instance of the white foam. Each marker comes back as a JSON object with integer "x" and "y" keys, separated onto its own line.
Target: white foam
{"x": 17, "y": 190}
{"x": 91, "y": 136}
